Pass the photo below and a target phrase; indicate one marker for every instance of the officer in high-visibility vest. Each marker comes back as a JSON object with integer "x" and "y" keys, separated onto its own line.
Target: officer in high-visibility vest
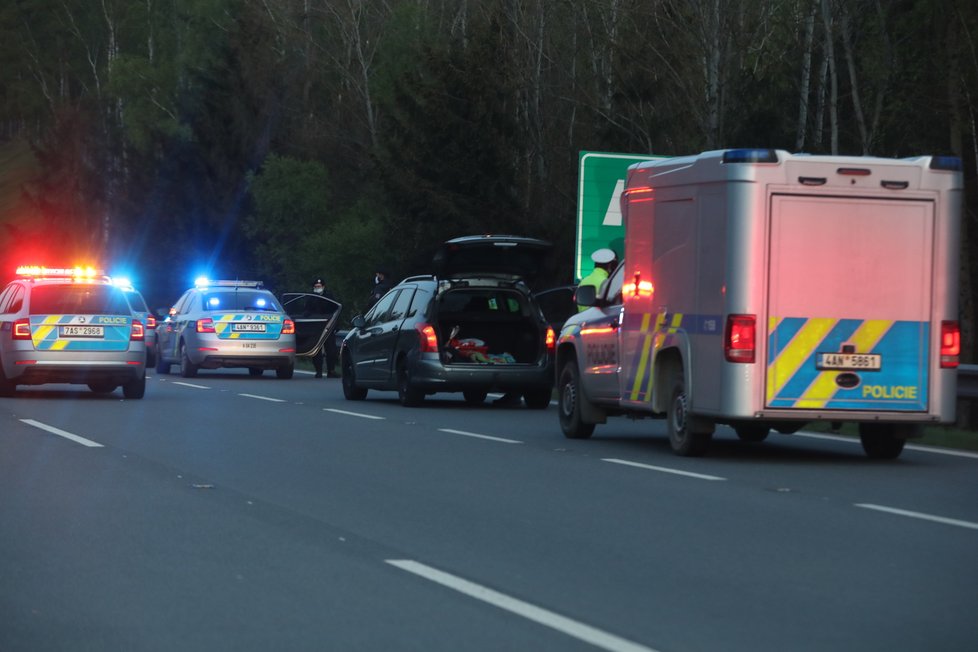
{"x": 605, "y": 260}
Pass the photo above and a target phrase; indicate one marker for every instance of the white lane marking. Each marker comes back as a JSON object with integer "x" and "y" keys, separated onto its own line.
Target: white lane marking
{"x": 663, "y": 469}
{"x": 472, "y": 434}
{"x": 179, "y": 382}
{"x": 353, "y": 414}
{"x": 920, "y": 515}
{"x": 62, "y": 433}
{"x": 263, "y": 398}
{"x": 580, "y": 631}
{"x": 953, "y": 452}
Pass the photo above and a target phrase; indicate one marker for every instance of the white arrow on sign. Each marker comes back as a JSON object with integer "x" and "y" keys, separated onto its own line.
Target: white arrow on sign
{"x": 612, "y": 216}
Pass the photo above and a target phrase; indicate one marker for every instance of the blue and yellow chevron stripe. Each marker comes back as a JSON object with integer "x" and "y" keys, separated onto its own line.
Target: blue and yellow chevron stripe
{"x": 273, "y": 326}
{"x": 46, "y": 334}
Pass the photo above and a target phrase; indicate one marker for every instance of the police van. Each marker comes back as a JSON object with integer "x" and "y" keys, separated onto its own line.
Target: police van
{"x": 70, "y": 325}
{"x": 767, "y": 290}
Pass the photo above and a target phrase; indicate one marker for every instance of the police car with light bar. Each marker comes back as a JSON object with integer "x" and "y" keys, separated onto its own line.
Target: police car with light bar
{"x": 70, "y": 325}
{"x": 226, "y": 324}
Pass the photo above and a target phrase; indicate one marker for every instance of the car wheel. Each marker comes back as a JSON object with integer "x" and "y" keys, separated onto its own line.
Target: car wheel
{"x": 687, "y": 436}
{"x": 474, "y": 396}
{"x": 255, "y": 371}
{"x": 135, "y": 388}
{"x": 102, "y": 388}
{"x": 187, "y": 368}
{"x": 286, "y": 372}
{"x": 569, "y": 404}
{"x": 880, "y": 440}
{"x": 752, "y": 432}
{"x": 537, "y": 399}
{"x": 409, "y": 395}
{"x": 350, "y": 390}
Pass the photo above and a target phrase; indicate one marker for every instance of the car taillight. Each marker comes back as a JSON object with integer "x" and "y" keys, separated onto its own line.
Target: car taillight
{"x": 429, "y": 340}
{"x": 739, "y": 338}
{"x": 22, "y": 329}
{"x": 138, "y": 333}
{"x": 205, "y": 325}
{"x": 151, "y": 322}
{"x": 551, "y": 339}
{"x": 288, "y": 327}
{"x": 950, "y": 344}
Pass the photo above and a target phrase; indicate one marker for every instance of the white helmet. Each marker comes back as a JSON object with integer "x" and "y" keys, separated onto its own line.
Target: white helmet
{"x": 603, "y": 256}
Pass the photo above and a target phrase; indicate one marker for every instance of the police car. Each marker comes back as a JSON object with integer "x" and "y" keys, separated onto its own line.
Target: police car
{"x": 226, "y": 323}
{"x": 70, "y": 325}
{"x": 142, "y": 312}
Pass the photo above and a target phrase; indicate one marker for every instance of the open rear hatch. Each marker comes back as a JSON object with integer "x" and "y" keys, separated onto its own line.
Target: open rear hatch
{"x": 849, "y": 307}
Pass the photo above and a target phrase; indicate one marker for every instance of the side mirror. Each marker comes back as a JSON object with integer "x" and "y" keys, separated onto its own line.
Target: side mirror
{"x": 358, "y": 322}
{"x": 586, "y": 295}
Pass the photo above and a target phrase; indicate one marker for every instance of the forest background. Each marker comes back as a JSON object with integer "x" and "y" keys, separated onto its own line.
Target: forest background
{"x": 290, "y": 139}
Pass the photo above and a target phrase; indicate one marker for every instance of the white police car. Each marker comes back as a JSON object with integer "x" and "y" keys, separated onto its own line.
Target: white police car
{"x": 70, "y": 325}
{"x": 219, "y": 324}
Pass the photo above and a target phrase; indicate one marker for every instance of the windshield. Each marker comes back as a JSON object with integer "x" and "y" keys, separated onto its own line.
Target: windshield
{"x": 78, "y": 300}
{"x": 256, "y": 300}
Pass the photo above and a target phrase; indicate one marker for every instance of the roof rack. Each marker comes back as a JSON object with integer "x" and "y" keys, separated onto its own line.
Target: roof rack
{"x": 203, "y": 283}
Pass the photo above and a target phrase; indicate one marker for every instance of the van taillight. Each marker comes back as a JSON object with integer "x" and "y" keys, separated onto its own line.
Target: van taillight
{"x": 138, "y": 333}
{"x": 288, "y": 328}
{"x": 150, "y": 322}
{"x": 950, "y": 344}
{"x": 205, "y": 325}
{"x": 739, "y": 338}
{"x": 22, "y": 329}
{"x": 551, "y": 339}
{"x": 429, "y": 340}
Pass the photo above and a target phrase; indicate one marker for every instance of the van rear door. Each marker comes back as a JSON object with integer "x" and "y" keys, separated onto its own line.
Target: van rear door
{"x": 849, "y": 303}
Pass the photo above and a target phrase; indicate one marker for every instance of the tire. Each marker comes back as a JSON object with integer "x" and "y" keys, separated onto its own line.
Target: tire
{"x": 162, "y": 366}
{"x": 687, "y": 437}
{"x": 135, "y": 388}
{"x": 350, "y": 390}
{"x": 409, "y": 395}
{"x": 255, "y": 371}
{"x": 102, "y": 388}
{"x": 475, "y": 396}
{"x": 150, "y": 359}
{"x": 187, "y": 368}
{"x": 880, "y": 440}
{"x": 286, "y": 372}
{"x": 569, "y": 397}
{"x": 538, "y": 399}
{"x": 752, "y": 432}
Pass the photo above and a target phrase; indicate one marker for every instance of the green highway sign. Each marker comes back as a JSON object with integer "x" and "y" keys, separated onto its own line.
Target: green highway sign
{"x": 601, "y": 178}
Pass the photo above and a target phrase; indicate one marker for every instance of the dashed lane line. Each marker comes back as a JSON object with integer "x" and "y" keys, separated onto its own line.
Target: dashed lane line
{"x": 264, "y": 398}
{"x": 62, "y": 433}
{"x": 545, "y": 617}
{"x": 926, "y": 517}
{"x": 478, "y": 436}
{"x": 180, "y": 382}
{"x": 663, "y": 469}
{"x": 353, "y": 414}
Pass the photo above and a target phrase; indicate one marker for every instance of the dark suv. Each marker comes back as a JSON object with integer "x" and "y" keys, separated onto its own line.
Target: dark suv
{"x": 472, "y": 327}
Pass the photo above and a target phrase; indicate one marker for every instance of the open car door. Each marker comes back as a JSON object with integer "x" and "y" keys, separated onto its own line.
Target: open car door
{"x": 315, "y": 318}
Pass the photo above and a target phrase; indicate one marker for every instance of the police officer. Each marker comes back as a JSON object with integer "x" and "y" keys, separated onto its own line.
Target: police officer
{"x": 328, "y": 350}
{"x": 605, "y": 260}
{"x": 381, "y": 285}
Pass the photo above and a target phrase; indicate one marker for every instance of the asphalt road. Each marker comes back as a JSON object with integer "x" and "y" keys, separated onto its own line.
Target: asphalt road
{"x": 235, "y": 513}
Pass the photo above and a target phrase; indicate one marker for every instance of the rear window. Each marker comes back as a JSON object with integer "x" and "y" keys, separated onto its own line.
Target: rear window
{"x": 78, "y": 300}
{"x": 483, "y": 302}
{"x": 137, "y": 302}
{"x": 254, "y": 300}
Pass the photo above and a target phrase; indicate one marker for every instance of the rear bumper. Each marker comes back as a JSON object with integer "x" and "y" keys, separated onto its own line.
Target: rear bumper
{"x": 433, "y": 376}
{"x": 28, "y": 371}
{"x": 256, "y": 361}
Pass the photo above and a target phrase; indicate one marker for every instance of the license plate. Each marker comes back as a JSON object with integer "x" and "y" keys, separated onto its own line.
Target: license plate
{"x": 248, "y": 327}
{"x": 850, "y": 361}
{"x": 81, "y": 331}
